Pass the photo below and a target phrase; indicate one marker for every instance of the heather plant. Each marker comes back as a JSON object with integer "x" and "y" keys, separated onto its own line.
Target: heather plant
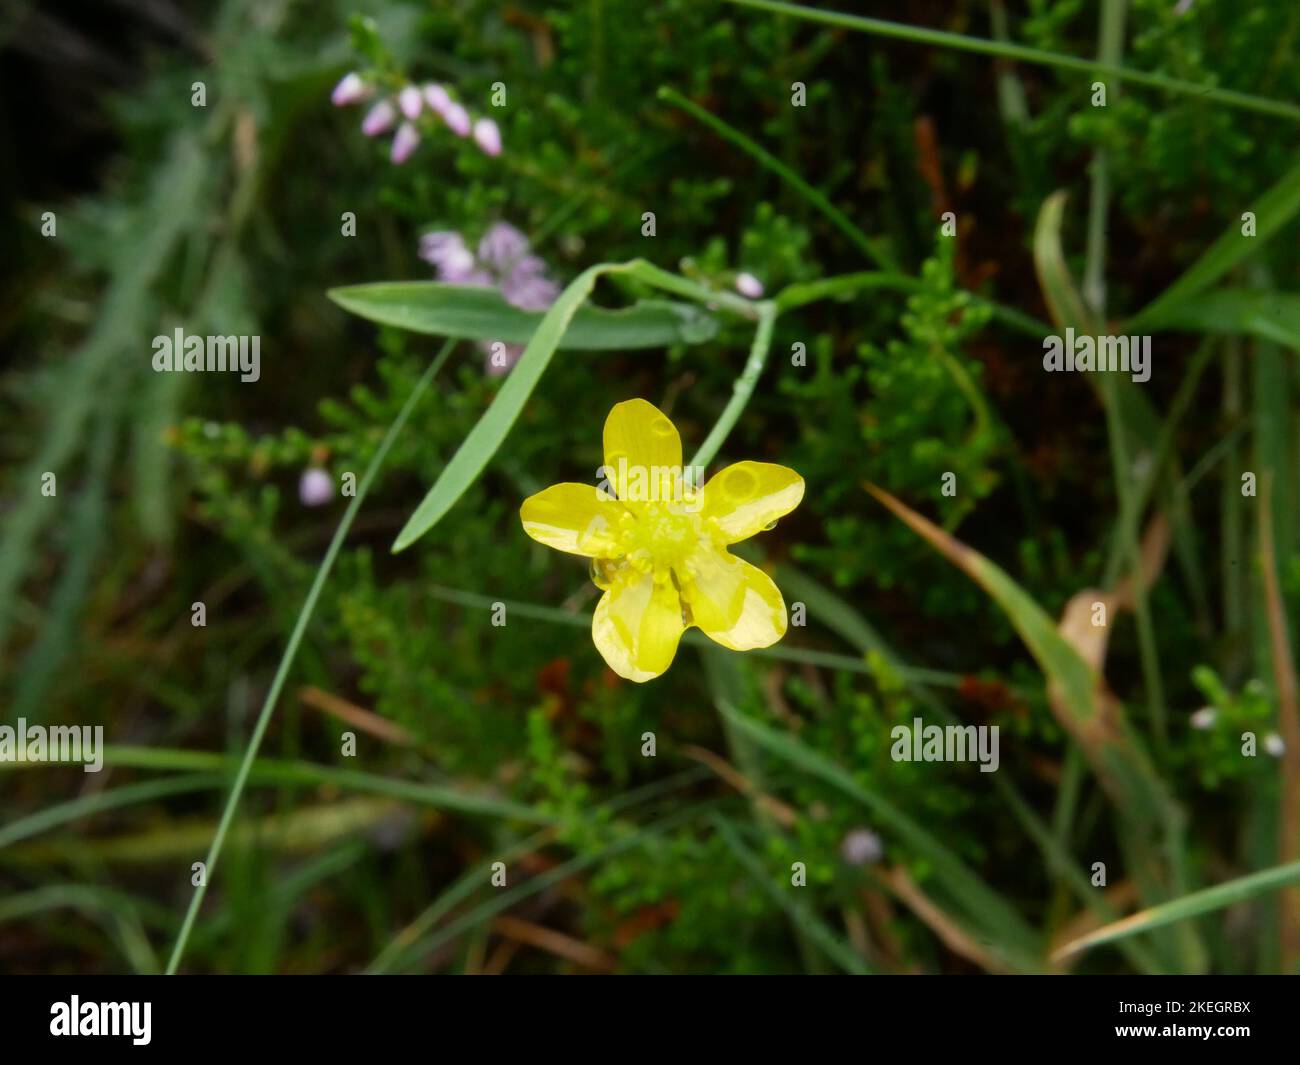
{"x": 654, "y": 425}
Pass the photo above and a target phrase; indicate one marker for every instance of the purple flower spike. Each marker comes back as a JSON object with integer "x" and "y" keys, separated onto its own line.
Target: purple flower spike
{"x": 404, "y": 143}
{"x": 350, "y": 90}
{"x": 436, "y": 97}
{"x": 487, "y": 136}
{"x": 410, "y": 100}
{"x": 315, "y": 488}
{"x": 379, "y": 119}
{"x": 502, "y": 246}
{"x": 457, "y": 119}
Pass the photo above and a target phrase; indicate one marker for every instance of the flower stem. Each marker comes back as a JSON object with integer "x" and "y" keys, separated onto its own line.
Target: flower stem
{"x": 744, "y": 386}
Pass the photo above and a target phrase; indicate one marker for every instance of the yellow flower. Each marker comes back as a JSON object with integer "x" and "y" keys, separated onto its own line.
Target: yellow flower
{"x": 658, "y": 544}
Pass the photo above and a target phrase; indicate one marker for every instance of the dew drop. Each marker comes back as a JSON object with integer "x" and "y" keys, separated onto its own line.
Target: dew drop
{"x": 769, "y": 526}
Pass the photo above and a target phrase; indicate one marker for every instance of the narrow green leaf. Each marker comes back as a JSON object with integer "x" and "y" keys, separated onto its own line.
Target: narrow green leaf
{"x": 1193, "y": 905}
{"x": 1272, "y": 211}
{"x": 1022, "y": 53}
{"x": 1262, "y": 313}
{"x": 994, "y": 916}
{"x": 491, "y": 430}
{"x": 472, "y": 313}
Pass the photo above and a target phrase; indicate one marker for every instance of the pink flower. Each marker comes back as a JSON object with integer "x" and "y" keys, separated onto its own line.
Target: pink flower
{"x": 457, "y": 119}
{"x": 749, "y": 286}
{"x": 379, "y": 119}
{"x": 446, "y": 251}
{"x": 487, "y": 136}
{"x": 350, "y": 90}
{"x": 409, "y": 100}
{"x": 502, "y": 246}
{"x": 436, "y": 97}
{"x": 315, "y": 487}
{"x": 404, "y": 143}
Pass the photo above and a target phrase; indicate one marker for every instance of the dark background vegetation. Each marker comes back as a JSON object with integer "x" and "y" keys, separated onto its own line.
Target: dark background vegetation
{"x": 180, "y": 489}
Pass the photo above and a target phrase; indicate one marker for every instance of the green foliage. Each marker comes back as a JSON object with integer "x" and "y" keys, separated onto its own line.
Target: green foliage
{"x": 176, "y": 489}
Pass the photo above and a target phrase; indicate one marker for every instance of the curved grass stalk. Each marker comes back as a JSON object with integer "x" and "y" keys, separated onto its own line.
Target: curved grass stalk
{"x": 291, "y": 651}
{"x": 768, "y": 161}
{"x": 1025, "y": 54}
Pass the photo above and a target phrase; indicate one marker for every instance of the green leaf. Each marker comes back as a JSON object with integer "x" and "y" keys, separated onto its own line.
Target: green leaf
{"x": 490, "y": 431}
{"x": 1193, "y": 905}
{"x": 1262, "y": 313}
{"x": 474, "y": 313}
{"x": 1272, "y": 211}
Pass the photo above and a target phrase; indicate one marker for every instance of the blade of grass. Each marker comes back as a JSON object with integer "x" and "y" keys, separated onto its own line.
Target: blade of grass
{"x": 986, "y": 907}
{"x": 870, "y": 248}
{"x": 291, "y": 649}
{"x": 1188, "y": 906}
{"x": 1273, "y": 211}
{"x": 1024, "y": 54}
{"x": 490, "y": 431}
{"x": 1150, "y": 821}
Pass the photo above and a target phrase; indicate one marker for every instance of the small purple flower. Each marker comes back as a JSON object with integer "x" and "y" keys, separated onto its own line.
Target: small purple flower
{"x": 749, "y": 286}
{"x": 379, "y": 119}
{"x": 503, "y": 262}
{"x": 457, "y": 119}
{"x": 436, "y": 97}
{"x": 447, "y": 253}
{"x": 350, "y": 90}
{"x": 487, "y": 136}
{"x": 409, "y": 100}
{"x": 861, "y": 846}
{"x": 404, "y": 143}
{"x": 502, "y": 246}
{"x": 315, "y": 487}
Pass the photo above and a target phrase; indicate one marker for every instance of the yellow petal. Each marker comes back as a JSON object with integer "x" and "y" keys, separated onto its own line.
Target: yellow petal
{"x": 637, "y": 625}
{"x": 734, "y": 604}
{"x": 577, "y": 518}
{"x": 747, "y": 497}
{"x": 641, "y": 444}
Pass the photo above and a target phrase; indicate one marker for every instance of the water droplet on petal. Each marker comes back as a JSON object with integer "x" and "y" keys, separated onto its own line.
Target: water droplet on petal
{"x": 769, "y": 526}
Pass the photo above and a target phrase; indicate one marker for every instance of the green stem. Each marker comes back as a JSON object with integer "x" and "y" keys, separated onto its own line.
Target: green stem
{"x": 291, "y": 650}
{"x": 1025, "y": 54}
{"x": 743, "y": 388}
{"x": 768, "y": 161}
{"x": 1110, "y": 51}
